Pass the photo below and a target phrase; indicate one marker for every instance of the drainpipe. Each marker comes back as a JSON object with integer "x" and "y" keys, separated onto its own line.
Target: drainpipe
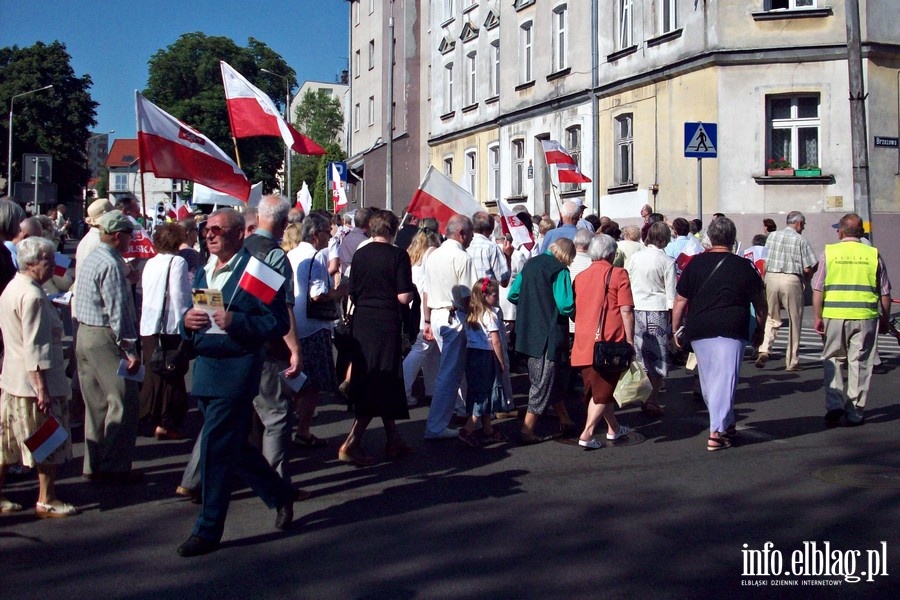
{"x": 595, "y": 109}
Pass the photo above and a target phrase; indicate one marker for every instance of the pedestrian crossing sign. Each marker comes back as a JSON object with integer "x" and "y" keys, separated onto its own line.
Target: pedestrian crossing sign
{"x": 700, "y": 140}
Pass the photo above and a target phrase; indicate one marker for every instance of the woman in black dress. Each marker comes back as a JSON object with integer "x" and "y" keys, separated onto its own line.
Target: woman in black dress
{"x": 380, "y": 282}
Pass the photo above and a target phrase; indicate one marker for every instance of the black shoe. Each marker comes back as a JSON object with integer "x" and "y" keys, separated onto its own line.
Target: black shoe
{"x": 285, "y": 516}
{"x": 833, "y": 417}
{"x": 197, "y": 546}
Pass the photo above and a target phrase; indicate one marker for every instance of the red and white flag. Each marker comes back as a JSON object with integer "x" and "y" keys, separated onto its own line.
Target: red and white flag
{"x": 337, "y": 186}
{"x": 691, "y": 249}
{"x": 757, "y": 255}
{"x": 62, "y": 264}
{"x": 141, "y": 245}
{"x": 252, "y": 113}
{"x": 46, "y": 439}
{"x": 438, "y": 197}
{"x": 304, "y": 199}
{"x": 182, "y": 210}
{"x": 169, "y": 148}
{"x": 511, "y": 224}
{"x": 566, "y": 168}
{"x": 261, "y": 280}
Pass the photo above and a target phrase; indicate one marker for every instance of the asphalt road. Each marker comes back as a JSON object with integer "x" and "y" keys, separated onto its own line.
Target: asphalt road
{"x": 656, "y": 516}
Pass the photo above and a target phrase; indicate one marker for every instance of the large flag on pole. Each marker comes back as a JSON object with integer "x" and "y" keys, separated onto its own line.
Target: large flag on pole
{"x": 337, "y": 189}
{"x": 440, "y": 198}
{"x": 252, "y": 113}
{"x": 511, "y": 224}
{"x": 169, "y": 148}
{"x": 566, "y": 168}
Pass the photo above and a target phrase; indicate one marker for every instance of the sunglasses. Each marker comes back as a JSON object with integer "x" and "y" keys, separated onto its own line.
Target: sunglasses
{"x": 216, "y": 230}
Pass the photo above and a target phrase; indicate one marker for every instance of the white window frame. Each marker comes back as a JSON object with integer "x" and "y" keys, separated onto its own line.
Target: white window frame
{"x": 371, "y": 6}
{"x": 573, "y": 142}
{"x": 624, "y": 149}
{"x": 355, "y": 7}
{"x": 120, "y": 182}
{"x": 448, "y": 167}
{"x": 495, "y": 68}
{"x": 517, "y": 147}
{"x": 356, "y": 117}
{"x": 625, "y": 23}
{"x": 356, "y": 64}
{"x": 791, "y": 4}
{"x": 526, "y": 52}
{"x": 494, "y": 172}
{"x": 471, "y": 78}
{"x": 668, "y": 16}
{"x": 471, "y": 165}
{"x": 560, "y": 37}
{"x": 371, "y": 111}
{"x": 449, "y": 10}
{"x": 448, "y": 88}
{"x": 371, "y": 54}
{"x": 794, "y": 124}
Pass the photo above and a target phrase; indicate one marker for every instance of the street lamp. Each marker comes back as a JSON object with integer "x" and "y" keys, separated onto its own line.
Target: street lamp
{"x": 9, "y": 163}
{"x": 287, "y": 118}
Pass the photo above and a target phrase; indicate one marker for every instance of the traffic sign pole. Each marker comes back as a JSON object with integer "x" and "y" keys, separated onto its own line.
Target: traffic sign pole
{"x": 700, "y": 189}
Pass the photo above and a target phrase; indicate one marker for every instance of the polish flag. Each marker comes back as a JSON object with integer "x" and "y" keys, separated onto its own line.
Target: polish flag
{"x": 253, "y": 114}
{"x": 46, "y": 439}
{"x": 182, "y": 210}
{"x": 338, "y": 194}
{"x": 169, "y": 148}
{"x": 62, "y": 264}
{"x": 141, "y": 245}
{"x": 757, "y": 255}
{"x": 261, "y": 280}
{"x": 511, "y": 224}
{"x": 690, "y": 250}
{"x": 567, "y": 169}
{"x": 304, "y": 199}
{"x": 438, "y": 197}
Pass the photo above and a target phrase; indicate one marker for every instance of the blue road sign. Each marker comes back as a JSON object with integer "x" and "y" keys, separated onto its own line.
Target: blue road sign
{"x": 341, "y": 168}
{"x": 700, "y": 140}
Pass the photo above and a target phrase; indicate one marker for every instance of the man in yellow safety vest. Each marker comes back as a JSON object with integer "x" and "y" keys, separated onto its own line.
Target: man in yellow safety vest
{"x": 848, "y": 288}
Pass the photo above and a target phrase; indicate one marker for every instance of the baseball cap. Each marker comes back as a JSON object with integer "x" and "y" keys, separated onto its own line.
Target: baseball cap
{"x": 115, "y": 221}
{"x": 98, "y": 208}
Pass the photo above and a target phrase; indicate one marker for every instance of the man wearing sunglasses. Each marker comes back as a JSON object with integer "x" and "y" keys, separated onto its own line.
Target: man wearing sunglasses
{"x": 226, "y": 379}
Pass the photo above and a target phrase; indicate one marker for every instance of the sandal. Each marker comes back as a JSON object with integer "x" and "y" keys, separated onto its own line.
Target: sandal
{"x": 468, "y": 438}
{"x": 530, "y": 439}
{"x": 730, "y": 431}
{"x": 8, "y": 506}
{"x": 652, "y": 409}
{"x": 309, "y": 441}
{"x": 720, "y": 443}
{"x": 54, "y": 511}
{"x": 496, "y": 436}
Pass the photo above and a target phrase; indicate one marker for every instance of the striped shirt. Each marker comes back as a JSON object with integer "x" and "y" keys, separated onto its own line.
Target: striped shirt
{"x": 103, "y": 295}
{"x": 789, "y": 252}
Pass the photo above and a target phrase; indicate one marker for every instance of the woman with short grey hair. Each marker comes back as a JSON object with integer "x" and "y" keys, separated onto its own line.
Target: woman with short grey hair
{"x": 33, "y": 379}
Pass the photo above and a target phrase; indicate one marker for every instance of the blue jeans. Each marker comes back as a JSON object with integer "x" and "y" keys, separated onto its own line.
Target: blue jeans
{"x": 225, "y": 451}
{"x": 451, "y": 338}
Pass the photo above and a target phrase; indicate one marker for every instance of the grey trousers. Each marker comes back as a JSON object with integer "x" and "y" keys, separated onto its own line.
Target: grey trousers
{"x": 111, "y": 402}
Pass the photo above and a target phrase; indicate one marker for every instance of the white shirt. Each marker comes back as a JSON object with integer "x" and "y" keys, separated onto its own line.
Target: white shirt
{"x": 154, "y": 284}
{"x": 652, "y": 274}
{"x": 449, "y": 276}
{"x": 308, "y": 285}
{"x": 479, "y": 338}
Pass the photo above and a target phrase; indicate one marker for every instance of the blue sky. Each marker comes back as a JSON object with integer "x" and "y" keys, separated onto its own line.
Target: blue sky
{"x": 112, "y": 41}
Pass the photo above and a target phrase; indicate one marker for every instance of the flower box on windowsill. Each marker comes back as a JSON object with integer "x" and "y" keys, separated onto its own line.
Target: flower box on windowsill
{"x": 807, "y": 172}
{"x": 780, "y": 172}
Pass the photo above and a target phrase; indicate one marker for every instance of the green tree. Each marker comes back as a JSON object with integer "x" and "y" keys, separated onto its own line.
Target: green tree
{"x": 320, "y": 199}
{"x": 103, "y": 183}
{"x": 185, "y": 80}
{"x": 55, "y": 122}
{"x": 319, "y": 116}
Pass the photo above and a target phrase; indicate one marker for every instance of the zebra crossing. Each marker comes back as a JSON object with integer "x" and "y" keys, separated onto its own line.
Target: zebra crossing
{"x": 811, "y": 344}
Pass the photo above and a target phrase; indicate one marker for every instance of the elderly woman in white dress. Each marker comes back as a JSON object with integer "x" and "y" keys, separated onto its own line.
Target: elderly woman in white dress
{"x": 34, "y": 375}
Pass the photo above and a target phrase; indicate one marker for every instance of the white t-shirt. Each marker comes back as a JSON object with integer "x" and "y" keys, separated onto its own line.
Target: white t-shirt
{"x": 479, "y": 338}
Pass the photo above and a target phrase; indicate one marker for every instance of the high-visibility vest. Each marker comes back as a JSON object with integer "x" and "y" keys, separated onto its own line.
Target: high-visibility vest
{"x": 851, "y": 286}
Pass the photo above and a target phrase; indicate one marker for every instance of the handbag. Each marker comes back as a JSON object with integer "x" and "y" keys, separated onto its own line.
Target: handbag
{"x": 634, "y": 386}
{"x": 323, "y": 310}
{"x": 610, "y": 357}
{"x": 168, "y": 362}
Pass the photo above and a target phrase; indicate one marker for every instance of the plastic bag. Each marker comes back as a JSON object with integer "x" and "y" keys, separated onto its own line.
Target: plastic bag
{"x": 633, "y": 386}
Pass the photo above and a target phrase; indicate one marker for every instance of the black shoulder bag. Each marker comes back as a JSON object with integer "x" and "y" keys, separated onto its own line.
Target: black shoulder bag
{"x": 610, "y": 357}
{"x": 169, "y": 362}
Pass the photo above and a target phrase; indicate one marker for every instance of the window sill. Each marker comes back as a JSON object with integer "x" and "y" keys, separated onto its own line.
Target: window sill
{"x": 666, "y": 37}
{"x": 520, "y": 4}
{"x": 448, "y": 22}
{"x": 448, "y": 116}
{"x": 470, "y": 8}
{"x": 470, "y": 108}
{"x": 559, "y": 74}
{"x": 821, "y": 180}
{"x": 524, "y": 86}
{"x": 621, "y": 54}
{"x": 622, "y": 188}
{"x": 800, "y": 13}
{"x": 572, "y": 193}
{"x": 492, "y": 100}
{"x": 516, "y": 199}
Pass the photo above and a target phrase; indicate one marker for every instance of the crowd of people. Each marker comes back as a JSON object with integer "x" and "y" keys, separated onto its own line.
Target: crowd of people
{"x": 364, "y": 304}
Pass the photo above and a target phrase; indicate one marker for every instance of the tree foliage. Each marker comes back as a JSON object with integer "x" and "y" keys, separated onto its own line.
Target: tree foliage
{"x": 185, "y": 80}
{"x": 55, "y": 122}
{"x": 319, "y": 116}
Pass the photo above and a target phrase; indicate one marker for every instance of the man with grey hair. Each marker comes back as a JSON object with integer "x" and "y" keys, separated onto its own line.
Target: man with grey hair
{"x": 273, "y": 403}
{"x": 487, "y": 257}
{"x": 449, "y": 277}
{"x": 569, "y": 213}
{"x": 790, "y": 261}
{"x": 354, "y": 238}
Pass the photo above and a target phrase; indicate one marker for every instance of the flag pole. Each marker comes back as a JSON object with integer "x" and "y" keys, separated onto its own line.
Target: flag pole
{"x": 143, "y": 197}
{"x": 237, "y": 154}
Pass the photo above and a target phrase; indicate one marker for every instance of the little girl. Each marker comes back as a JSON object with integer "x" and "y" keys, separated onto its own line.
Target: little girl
{"x": 484, "y": 362}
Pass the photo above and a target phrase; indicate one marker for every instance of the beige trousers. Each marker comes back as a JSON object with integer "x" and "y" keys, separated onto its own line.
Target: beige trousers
{"x": 784, "y": 291}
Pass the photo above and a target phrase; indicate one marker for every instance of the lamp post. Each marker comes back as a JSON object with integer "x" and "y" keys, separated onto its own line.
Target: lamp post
{"x": 9, "y": 147}
{"x": 287, "y": 118}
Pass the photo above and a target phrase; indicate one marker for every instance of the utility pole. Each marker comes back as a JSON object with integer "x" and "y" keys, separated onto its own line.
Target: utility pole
{"x": 858, "y": 133}
{"x": 389, "y": 158}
